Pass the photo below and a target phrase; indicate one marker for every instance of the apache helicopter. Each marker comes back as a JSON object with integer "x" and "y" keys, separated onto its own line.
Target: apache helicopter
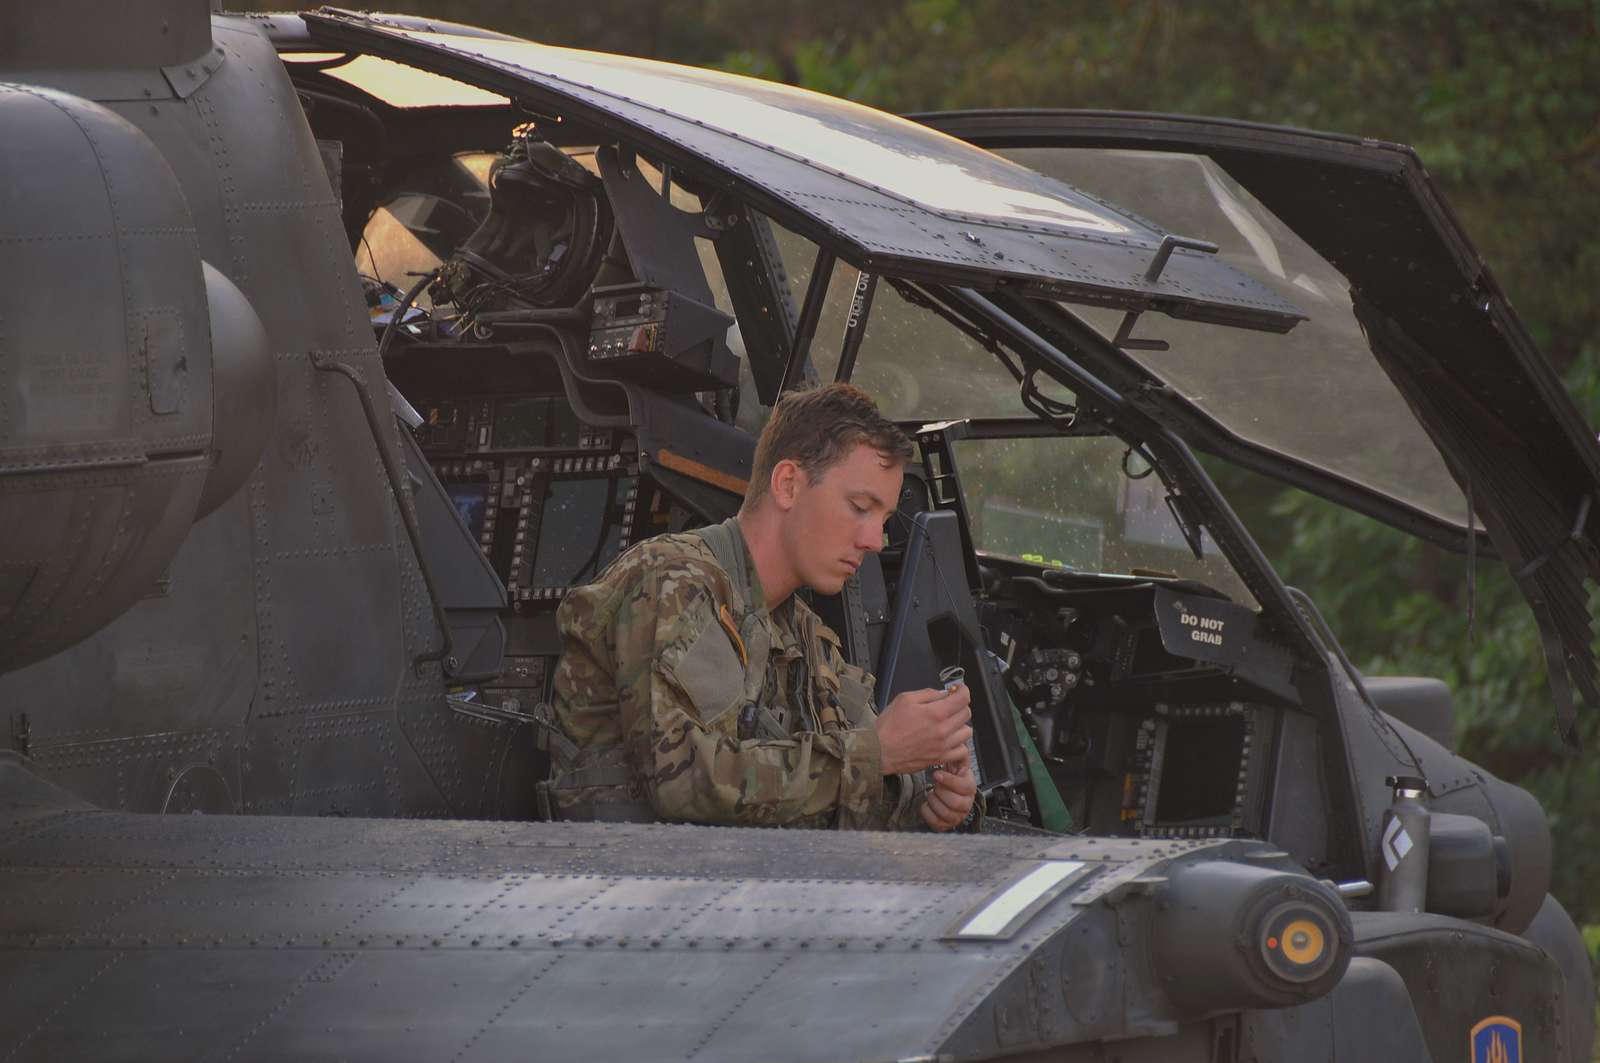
{"x": 335, "y": 347}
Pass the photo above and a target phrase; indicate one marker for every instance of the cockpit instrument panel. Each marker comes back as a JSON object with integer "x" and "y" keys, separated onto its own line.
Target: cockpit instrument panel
{"x": 1197, "y": 772}
{"x": 549, "y": 499}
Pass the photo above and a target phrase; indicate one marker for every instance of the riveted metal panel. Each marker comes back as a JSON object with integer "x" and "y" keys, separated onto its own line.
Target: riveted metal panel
{"x": 298, "y": 598}
{"x": 383, "y": 939}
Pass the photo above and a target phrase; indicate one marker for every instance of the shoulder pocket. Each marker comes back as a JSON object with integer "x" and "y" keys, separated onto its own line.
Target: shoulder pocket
{"x": 711, "y": 674}
{"x": 855, "y": 696}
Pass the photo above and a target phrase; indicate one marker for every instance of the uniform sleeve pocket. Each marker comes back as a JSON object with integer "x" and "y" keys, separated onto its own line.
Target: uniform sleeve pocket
{"x": 710, "y": 673}
{"x": 855, "y": 698}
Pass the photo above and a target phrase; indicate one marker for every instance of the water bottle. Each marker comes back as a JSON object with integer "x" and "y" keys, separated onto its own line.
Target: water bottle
{"x": 1403, "y": 847}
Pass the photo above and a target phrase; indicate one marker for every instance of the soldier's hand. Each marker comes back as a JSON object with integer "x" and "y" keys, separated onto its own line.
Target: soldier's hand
{"x": 954, "y": 790}
{"x": 924, "y": 727}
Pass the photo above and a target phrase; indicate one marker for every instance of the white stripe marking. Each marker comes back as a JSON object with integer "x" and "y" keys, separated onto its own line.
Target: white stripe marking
{"x": 998, "y": 913}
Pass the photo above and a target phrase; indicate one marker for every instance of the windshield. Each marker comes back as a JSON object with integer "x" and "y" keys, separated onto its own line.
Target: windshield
{"x": 915, "y": 365}
{"x": 1058, "y": 500}
{"x": 1316, "y": 394}
{"x": 1066, "y": 501}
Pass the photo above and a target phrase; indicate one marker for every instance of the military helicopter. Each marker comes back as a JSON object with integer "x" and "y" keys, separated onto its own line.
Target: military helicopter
{"x": 336, "y": 347}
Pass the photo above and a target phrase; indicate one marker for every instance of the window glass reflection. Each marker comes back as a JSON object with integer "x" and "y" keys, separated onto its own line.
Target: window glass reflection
{"x": 899, "y": 157}
{"x": 406, "y": 86}
{"x": 1317, "y": 393}
{"x": 1066, "y": 502}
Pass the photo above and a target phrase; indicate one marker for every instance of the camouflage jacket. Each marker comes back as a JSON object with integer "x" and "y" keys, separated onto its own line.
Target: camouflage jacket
{"x": 685, "y": 698}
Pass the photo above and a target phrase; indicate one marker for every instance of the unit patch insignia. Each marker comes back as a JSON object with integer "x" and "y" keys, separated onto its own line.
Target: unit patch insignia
{"x": 1497, "y": 1039}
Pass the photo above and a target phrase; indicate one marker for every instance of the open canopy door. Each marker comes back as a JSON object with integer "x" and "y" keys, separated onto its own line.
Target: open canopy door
{"x": 889, "y": 195}
{"x": 1443, "y": 376}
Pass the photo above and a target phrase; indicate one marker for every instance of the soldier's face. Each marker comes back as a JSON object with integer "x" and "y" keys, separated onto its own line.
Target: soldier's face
{"x": 836, "y": 521}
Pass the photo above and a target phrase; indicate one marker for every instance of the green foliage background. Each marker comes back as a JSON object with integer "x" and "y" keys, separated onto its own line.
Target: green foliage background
{"x": 1501, "y": 99}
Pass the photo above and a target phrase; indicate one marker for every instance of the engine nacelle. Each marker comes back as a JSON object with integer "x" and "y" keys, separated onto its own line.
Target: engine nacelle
{"x": 108, "y": 439}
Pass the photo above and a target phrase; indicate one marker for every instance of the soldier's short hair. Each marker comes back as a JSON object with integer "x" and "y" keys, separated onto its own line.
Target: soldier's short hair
{"x": 817, "y": 428}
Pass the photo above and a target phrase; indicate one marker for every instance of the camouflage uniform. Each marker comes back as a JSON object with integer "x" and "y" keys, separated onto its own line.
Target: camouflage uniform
{"x": 683, "y": 698}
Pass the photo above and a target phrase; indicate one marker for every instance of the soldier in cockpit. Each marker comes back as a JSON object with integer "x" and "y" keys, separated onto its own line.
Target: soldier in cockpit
{"x": 695, "y": 685}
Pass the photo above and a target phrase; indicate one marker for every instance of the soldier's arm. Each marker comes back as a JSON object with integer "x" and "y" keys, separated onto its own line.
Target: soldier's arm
{"x": 680, "y": 688}
{"x": 902, "y": 797}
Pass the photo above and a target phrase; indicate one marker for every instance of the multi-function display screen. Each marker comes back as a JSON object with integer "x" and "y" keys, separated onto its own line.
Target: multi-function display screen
{"x": 1200, "y": 768}
{"x": 521, "y": 422}
{"x": 533, "y": 422}
{"x": 577, "y": 533}
{"x": 472, "y": 502}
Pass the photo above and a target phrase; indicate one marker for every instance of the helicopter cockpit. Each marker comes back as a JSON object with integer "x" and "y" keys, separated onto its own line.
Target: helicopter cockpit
{"x": 340, "y": 347}
{"x": 589, "y": 289}
{"x": 1037, "y": 522}
{"x": 576, "y": 333}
